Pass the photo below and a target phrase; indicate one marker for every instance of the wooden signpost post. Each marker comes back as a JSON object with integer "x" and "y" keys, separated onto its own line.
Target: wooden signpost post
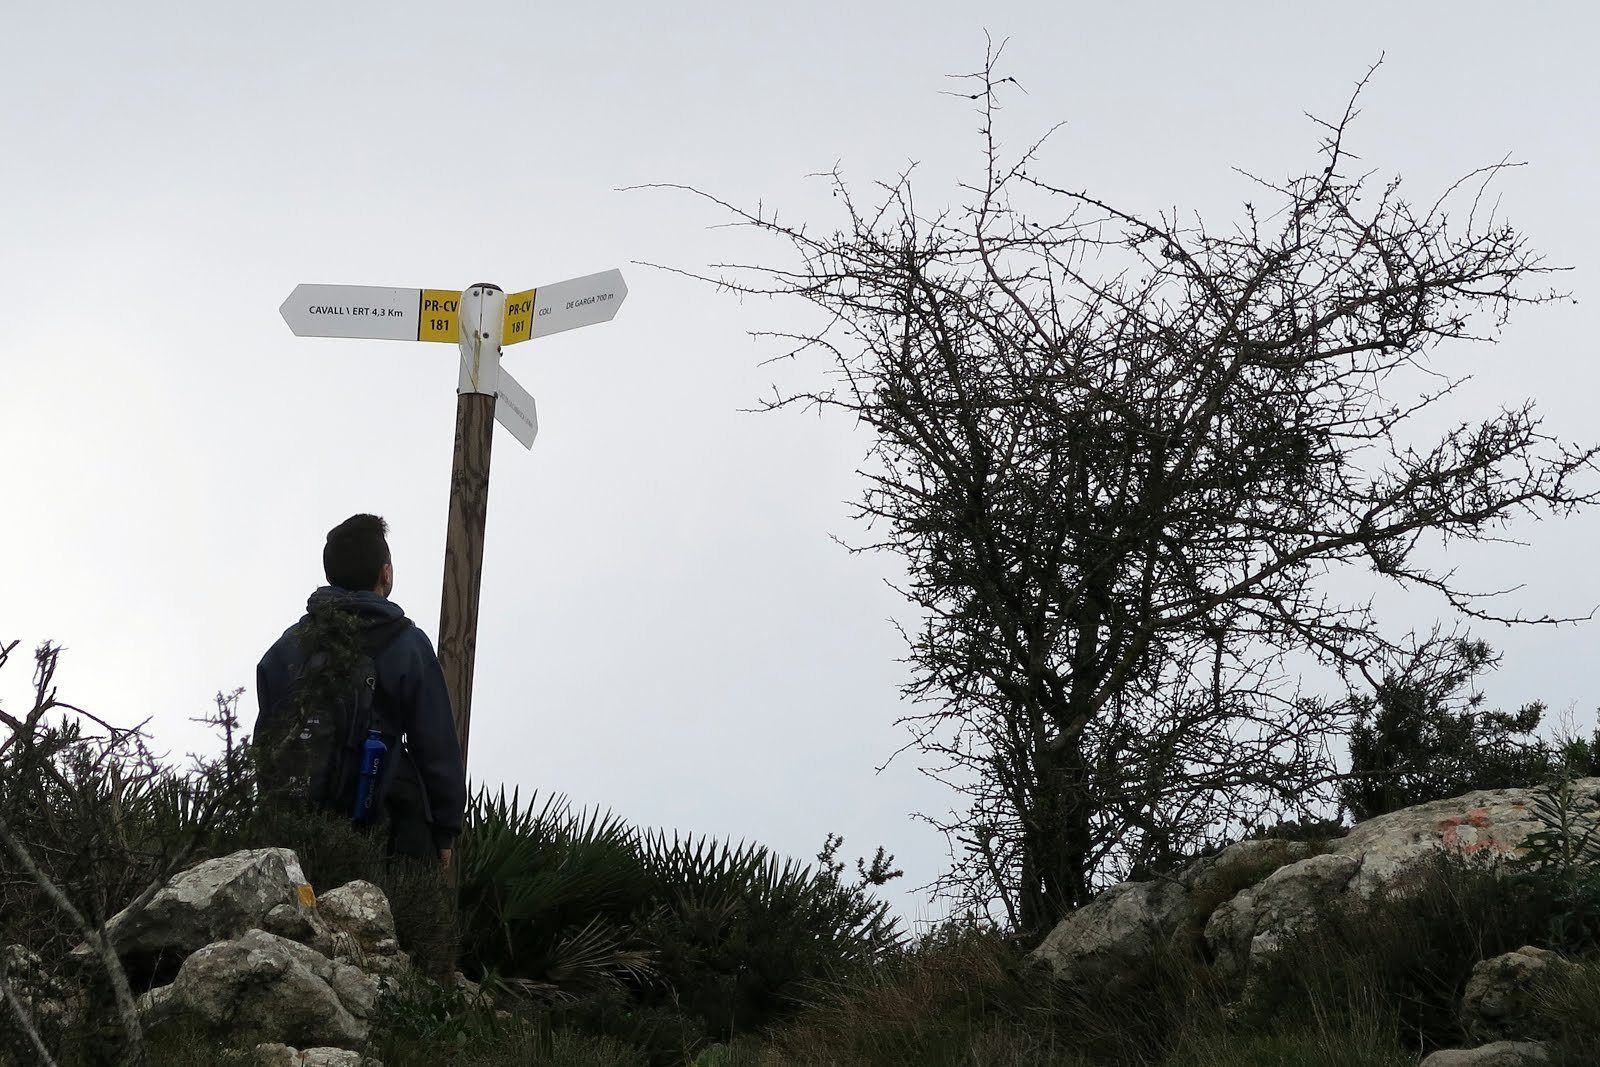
{"x": 480, "y": 319}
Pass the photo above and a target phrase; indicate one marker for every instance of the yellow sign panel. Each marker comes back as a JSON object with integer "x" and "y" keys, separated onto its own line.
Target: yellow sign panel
{"x": 437, "y": 318}
{"x": 518, "y": 322}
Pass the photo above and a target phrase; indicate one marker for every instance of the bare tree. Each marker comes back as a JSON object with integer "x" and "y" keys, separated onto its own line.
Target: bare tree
{"x": 1124, "y": 457}
{"x": 92, "y": 822}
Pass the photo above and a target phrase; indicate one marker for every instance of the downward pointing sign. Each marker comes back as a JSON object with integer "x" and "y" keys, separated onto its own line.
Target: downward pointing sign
{"x": 513, "y": 409}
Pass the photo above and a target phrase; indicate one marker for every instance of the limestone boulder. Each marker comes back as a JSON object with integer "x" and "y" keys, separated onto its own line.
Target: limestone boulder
{"x": 1499, "y": 1000}
{"x": 362, "y": 926}
{"x": 264, "y": 985}
{"x": 1497, "y": 1054}
{"x": 1487, "y": 823}
{"x": 216, "y": 900}
{"x": 297, "y": 922}
{"x": 1257, "y": 918}
{"x": 1239, "y": 866}
{"x": 275, "y": 1054}
{"x": 1112, "y": 933}
{"x": 1120, "y": 927}
{"x": 1380, "y": 854}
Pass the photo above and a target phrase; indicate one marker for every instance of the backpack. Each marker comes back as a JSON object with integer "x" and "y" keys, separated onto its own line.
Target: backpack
{"x": 313, "y": 755}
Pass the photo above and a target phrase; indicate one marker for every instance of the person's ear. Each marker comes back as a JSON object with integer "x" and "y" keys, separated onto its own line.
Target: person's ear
{"x": 386, "y": 579}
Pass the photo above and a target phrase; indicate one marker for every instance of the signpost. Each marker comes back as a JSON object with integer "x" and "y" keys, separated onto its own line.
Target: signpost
{"x": 480, "y": 320}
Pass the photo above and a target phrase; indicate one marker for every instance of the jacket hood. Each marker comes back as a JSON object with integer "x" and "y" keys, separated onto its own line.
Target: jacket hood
{"x": 366, "y": 605}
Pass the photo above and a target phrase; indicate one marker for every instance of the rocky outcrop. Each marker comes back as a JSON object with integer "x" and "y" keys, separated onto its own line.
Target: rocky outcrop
{"x": 1117, "y": 929}
{"x": 1382, "y": 854}
{"x": 1487, "y": 823}
{"x": 1258, "y": 918}
{"x": 1253, "y": 893}
{"x": 263, "y": 959}
{"x": 212, "y": 901}
{"x": 1112, "y": 933}
{"x": 261, "y": 986}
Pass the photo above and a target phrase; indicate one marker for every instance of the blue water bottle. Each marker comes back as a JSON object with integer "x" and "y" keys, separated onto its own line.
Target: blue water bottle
{"x": 372, "y": 759}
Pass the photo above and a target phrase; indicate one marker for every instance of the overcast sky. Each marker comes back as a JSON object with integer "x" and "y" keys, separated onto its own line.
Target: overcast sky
{"x": 667, "y": 628}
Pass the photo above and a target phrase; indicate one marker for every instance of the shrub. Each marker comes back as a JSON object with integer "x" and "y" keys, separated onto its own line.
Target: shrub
{"x": 1560, "y": 863}
{"x": 1417, "y": 738}
{"x": 949, "y": 998}
{"x": 740, "y": 934}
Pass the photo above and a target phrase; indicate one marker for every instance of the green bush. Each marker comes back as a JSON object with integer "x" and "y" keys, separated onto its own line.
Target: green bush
{"x": 1560, "y": 863}
{"x": 1417, "y": 738}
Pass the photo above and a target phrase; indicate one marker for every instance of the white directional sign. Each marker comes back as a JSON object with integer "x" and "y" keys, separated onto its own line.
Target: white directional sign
{"x": 372, "y": 311}
{"x": 568, "y": 305}
{"x": 431, "y": 314}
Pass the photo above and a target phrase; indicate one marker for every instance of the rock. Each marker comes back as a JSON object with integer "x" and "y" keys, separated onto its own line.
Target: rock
{"x": 330, "y": 1057}
{"x": 155, "y": 1007}
{"x": 1112, "y": 933}
{"x": 361, "y": 910}
{"x": 276, "y": 1054}
{"x": 356, "y": 989}
{"x": 213, "y": 901}
{"x": 268, "y": 986}
{"x": 273, "y": 1054}
{"x": 363, "y": 928}
{"x": 1487, "y": 823}
{"x": 46, "y": 997}
{"x": 1499, "y": 1054}
{"x": 1257, "y": 918}
{"x": 299, "y": 923}
{"x": 1241, "y": 865}
{"x": 1384, "y": 851}
{"x": 1498, "y": 1003}
{"x": 1253, "y": 892}
{"x": 1122, "y": 925}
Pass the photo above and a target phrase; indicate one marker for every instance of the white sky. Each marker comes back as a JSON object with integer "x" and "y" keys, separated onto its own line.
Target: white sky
{"x": 667, "y": 629}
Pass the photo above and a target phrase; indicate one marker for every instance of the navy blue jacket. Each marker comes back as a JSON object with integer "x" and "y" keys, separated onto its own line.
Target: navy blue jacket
{"x": 410, "y": 692}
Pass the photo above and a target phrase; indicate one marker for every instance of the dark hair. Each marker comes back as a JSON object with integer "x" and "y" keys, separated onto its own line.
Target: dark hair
{"x": 356, "y": 552}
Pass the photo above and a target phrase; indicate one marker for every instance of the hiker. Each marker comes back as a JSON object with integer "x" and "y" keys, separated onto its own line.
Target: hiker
{"x": 419, "y": 794}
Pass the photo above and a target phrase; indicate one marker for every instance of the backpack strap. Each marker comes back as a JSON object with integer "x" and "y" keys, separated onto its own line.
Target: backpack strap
{"x": 373, "y": 642}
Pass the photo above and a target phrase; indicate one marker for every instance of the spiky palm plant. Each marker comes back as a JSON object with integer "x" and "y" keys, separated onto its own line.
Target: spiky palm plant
{"x": 742, "y": 933}
{"x": 556, "y": 903}
{"x": 546, "y": 894}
